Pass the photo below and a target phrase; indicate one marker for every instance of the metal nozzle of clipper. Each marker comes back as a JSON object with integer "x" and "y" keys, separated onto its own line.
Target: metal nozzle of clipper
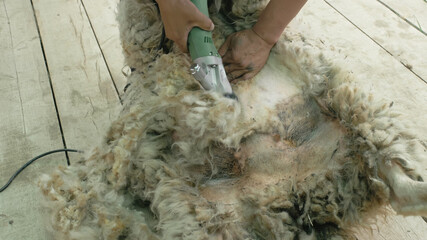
{"x": 210, "y": 72}
{"x": 199, "y": 74}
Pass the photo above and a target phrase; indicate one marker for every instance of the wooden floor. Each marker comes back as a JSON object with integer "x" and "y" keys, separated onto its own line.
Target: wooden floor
{"x": 61, "y": 79}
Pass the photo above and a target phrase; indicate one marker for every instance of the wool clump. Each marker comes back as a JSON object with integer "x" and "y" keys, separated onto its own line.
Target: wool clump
{"x": 303, "y": 154}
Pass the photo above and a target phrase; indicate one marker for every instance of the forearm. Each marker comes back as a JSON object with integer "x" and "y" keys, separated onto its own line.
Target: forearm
{"x": 179, "y": 17}
{"x": 275, "y": 17}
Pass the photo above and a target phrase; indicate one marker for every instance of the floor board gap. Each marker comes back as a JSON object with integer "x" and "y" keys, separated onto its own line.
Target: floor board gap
{"x": 50, "y": 83}
{"x": 403, "y": 18}
{"x": 407, "y": 67}
{"x": 102, "y": 52}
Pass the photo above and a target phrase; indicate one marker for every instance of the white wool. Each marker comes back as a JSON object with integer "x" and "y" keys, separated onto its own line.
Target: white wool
{"x": 304, "y": 153}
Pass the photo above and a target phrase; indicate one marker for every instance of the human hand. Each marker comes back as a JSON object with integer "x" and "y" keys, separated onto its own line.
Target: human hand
{"x": 179, "y": 17}
{"x": 244, "y": 54}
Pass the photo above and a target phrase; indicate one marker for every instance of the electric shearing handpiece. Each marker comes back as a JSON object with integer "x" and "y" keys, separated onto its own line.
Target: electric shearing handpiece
{"x": 207, "y": 65}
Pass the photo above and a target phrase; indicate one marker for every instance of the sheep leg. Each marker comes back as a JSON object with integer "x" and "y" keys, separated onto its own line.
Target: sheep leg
{"x": 408, "y": 197}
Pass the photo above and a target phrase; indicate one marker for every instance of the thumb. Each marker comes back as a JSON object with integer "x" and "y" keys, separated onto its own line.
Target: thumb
{"x": 203, "y": 22}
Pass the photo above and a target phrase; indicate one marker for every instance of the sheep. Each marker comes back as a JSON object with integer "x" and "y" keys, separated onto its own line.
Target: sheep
{"x": 304, "y": 154}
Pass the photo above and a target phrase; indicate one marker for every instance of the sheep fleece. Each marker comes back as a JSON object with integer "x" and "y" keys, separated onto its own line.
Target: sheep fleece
{"x": 303, "y": 154}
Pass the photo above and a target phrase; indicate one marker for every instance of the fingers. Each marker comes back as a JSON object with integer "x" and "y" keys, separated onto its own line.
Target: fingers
{"x": 229, "y": 68}
{"x": 190, "y": 18}
{"x": 178, "y": 38}
{"x": 182, "y": 41}
{"x": 223, "y": 49}
{"x": 179, "y": 17}
{"x": 232, "y": 76}
{"x": 202, "y": 21}
{"x": 246, "y": 76}
{"x": 228, "y": 58}
{"x": 182, "y": 45}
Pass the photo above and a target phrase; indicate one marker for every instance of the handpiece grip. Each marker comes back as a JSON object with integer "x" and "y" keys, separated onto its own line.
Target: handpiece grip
{"x": 200, "y": 43}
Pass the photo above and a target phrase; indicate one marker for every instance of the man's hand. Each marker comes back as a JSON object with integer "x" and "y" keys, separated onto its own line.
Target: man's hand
{"x": 244, "y": 54}
{"x": 179, "y": 17}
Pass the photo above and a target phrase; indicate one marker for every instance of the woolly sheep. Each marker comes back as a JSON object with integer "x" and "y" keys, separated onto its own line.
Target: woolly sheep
{"x": 303, "y": 154}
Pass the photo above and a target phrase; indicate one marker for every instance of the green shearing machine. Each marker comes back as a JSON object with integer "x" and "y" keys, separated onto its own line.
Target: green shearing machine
{"x": 207, "y": 65}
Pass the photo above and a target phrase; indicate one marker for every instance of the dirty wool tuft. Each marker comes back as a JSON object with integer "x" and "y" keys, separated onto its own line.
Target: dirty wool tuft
{"x": 303, "y": 154}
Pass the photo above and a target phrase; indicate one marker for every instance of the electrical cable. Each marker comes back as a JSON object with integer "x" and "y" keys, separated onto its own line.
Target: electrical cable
{"x": 33, "y": 160}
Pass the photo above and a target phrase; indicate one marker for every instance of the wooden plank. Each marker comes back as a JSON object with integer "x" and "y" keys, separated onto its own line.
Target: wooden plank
{"x": 86, "y": 98}
{"x": 28, "y": 123}
{"x": 405, "y": 43}
{"x": 396, "y": 227}
{"x": 372, "y": 66}
{"x": 105, "y": 27}
{"x": 332, "y": 34}
{"x": 413, "y": 11}
{"x": 376, "y": 71}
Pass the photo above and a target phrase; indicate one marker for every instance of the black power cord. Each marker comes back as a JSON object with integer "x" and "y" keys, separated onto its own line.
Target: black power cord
{"x": 33, "y": 160}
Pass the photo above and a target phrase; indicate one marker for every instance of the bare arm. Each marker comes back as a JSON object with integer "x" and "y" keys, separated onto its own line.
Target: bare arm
{"x": 275, "y": 17}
